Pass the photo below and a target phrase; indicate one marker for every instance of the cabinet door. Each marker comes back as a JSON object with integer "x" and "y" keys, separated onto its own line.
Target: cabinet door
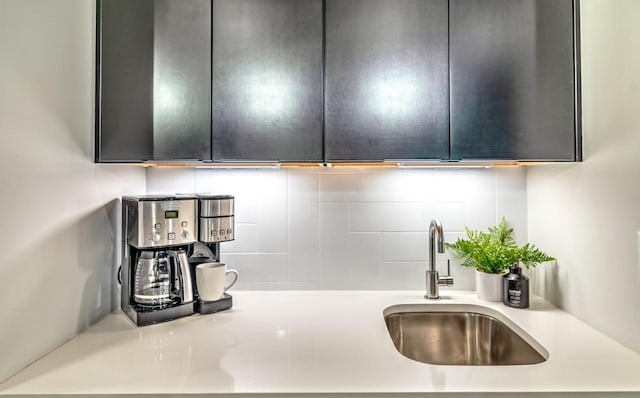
{"x": 267, "y": 80}
{"x": 154, "y": 93}
{"x": 386, "y": 80}
{"x": 512, "y": 80}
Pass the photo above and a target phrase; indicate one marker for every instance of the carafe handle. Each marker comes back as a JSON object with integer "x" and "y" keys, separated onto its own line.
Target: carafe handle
{"x": 181, "y": 267}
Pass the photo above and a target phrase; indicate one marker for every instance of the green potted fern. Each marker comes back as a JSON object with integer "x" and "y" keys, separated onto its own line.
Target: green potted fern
{"x": 491, "y": 254}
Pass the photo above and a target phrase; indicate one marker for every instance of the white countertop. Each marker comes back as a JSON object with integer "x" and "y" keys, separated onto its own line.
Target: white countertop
{"x": 316, "y": 342}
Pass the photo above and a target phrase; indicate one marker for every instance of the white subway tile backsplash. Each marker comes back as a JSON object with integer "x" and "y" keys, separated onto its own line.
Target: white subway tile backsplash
{"x": 394, "y": 185}
{"x": 334, "y": 245}
{"x": 257, "y": 267}
{"x": 351, "y": 228}
{"x": 245, "y": 240}
{"x": 303, "y": 227}
{"x": 273, "y": 231}
{"x": 337, "y": 187}
{"x": 480, "y": 207}
{"x": 364, "y": 260}
{"x": 170, "y": 180}
{"x": 403, "y": 275}
{"x": 403, "y": 217}
{"x": 511, "y": 200}
{"x": 376, "y": 186}
{"x": 270, "y": 194}
{"x": 432, "y": 185}
{"x": 448, "y": 185}
{"x": 404, "y": 246}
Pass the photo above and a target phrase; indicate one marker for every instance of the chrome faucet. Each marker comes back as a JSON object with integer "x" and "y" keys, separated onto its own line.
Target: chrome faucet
{"x": 433, "y": 280}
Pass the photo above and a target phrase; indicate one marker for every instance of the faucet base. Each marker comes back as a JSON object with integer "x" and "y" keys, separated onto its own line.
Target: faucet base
{"x": 432, "y": 286}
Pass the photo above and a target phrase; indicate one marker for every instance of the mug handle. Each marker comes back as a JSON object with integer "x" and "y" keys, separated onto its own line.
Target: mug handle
{"x": 231, "y": 271}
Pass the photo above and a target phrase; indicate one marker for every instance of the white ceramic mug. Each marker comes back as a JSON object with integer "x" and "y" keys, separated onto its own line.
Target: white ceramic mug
{"x": 210, "y": 280}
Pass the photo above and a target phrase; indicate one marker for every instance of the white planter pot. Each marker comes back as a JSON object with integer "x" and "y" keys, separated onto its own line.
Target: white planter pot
{"x": 489, "y": 286}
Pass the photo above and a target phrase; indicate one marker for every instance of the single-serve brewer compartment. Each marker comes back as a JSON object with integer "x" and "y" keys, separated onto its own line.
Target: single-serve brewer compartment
{"x": 216, "y": 229}
{"x": 216, "y": 218}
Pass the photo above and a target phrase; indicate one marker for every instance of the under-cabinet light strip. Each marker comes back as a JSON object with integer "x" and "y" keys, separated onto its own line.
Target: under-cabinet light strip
{"x": 401, "y": 165}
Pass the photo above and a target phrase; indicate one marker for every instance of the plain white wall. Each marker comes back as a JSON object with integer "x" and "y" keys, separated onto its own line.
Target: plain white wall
{"x": 588, "y": 214}
{"x": 60, "y": 212}
{"x": 346, "y": 228}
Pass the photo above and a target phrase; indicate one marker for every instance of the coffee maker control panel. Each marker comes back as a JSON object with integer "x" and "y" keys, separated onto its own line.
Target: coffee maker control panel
{"x": 161, "y": 221}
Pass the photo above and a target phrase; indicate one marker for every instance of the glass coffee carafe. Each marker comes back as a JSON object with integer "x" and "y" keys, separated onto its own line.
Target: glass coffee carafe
{"x": 153, "y": 278}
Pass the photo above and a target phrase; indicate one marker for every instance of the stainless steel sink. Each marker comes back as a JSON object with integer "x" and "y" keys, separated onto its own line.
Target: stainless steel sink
{"x": 460, "y": 337}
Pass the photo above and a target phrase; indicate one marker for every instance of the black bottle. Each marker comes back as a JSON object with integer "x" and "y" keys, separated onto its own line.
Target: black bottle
{"x": 515, "y": 291}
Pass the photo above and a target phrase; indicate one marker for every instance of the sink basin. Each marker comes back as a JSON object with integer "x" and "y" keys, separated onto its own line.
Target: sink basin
{"x": 459, "y": 335}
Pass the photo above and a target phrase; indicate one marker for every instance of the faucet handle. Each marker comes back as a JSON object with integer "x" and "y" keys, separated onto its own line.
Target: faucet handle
{"x": 446, "y": 280}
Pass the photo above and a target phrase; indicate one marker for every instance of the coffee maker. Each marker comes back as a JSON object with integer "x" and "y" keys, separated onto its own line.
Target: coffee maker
{"x": 158, "y": 236}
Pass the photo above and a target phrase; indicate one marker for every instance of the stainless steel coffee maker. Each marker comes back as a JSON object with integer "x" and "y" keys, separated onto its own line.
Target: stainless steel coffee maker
{"x": 157, "y": 239}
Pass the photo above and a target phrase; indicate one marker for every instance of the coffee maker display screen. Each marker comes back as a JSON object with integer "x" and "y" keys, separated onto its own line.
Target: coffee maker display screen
{"x": 171, "y": 214}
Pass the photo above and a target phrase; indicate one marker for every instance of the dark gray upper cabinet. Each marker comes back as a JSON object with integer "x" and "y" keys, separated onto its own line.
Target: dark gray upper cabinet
{"x": 386, "y": 80}
{"x": 513, "y": 86}
{"x": 267, "y": 80}
{"x": 337, "y": 80}
{"x": 154, "y": 73}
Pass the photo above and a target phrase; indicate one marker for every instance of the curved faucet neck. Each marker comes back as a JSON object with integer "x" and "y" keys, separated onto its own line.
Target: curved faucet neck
{"x": 434, "y": 227}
